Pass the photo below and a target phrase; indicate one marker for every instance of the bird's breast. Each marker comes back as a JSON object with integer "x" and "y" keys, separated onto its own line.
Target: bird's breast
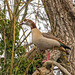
{"x": 45, "y": 43}
{"x": 42, "y": 42}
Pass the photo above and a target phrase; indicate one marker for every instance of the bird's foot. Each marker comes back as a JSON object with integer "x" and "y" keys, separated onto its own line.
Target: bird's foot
{"x": 44, "y": 60}
{"x": 47, "y": 57}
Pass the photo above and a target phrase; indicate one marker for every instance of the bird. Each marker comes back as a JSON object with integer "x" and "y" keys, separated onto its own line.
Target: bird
{"x": 45, "y": 41}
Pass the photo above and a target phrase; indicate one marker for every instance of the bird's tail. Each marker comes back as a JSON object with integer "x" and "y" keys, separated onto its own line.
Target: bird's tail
{"x": 66, "y": 47}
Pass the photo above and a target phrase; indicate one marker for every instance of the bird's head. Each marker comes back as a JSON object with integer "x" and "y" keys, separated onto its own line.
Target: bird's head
{"x": 29, "y": 23}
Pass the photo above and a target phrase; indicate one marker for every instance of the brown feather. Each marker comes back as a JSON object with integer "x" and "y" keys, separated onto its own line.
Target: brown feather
{"x": 49, "y": 35}
{"x": 40, "y": 39}
{"x": 32, "y": 24}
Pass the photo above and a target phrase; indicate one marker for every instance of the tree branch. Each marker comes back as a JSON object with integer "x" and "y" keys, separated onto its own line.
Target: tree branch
{"x": 58, "y": 65}
{"x": 9, "y": 10}
{"x": 12, "y": 58}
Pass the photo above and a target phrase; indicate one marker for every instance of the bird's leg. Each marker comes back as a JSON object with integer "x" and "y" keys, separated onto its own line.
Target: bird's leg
{"x": 47, "y": 57}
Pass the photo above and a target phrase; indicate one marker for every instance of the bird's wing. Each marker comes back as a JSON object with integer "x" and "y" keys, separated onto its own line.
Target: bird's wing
{"x": 49, "y": 35}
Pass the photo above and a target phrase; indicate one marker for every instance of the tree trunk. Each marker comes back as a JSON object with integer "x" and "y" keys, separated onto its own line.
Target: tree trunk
{"x": 61, "y": 15}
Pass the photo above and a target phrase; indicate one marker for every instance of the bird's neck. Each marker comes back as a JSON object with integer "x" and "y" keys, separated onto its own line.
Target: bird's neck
{"x": 33, "y": 25}
{"x": 36, "y": 32}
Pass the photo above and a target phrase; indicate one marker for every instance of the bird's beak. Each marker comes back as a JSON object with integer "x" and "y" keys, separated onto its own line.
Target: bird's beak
{"x": 21, "y": 23}
{"x": 25, "y": 22}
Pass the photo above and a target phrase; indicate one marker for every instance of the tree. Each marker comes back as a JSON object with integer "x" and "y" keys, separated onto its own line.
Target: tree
{"x": 61, "y": 14}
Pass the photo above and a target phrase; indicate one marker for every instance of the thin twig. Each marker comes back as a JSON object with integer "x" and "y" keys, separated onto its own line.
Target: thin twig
{"x": 23, "y": 7}
{"x": 26, "y": 38}
{"x": 4, "y": 49}
{"x": 22, "y": 35}
{"x": 23, "y": 40}
{"x": 9, "y": 10}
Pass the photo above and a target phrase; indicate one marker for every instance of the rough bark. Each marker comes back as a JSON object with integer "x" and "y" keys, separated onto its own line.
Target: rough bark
{"x": 61, "y": 14}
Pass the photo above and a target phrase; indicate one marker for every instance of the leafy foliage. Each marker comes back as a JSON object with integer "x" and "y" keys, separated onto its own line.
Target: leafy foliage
{"x": 29, "y": 66}
{"x": 21, "y": 65}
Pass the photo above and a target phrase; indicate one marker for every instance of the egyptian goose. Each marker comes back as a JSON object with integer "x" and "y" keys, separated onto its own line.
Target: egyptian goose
{"x": 44, "y": 41}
